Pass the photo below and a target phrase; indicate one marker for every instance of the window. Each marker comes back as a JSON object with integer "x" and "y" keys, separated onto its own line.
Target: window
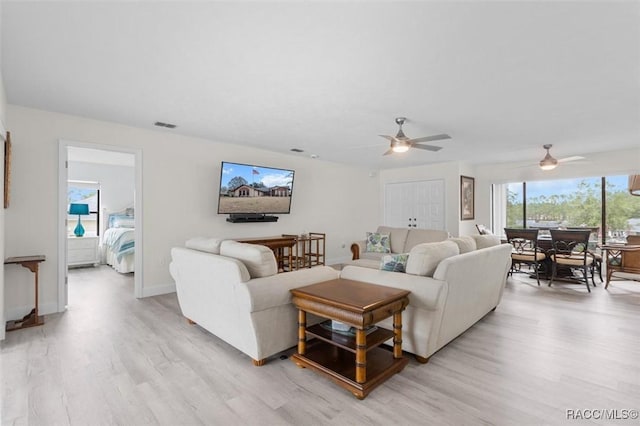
{"x": 85, "y": 193}
{"x": 623, "y": 210}
{"x": 612, "y": 214}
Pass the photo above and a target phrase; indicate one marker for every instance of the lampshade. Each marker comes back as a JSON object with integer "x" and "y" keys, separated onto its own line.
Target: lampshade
{"x": 80, "y": 209}
{"x": 634, "y": 185}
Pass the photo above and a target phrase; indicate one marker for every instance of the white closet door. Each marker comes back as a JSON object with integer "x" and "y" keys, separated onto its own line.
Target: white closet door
{"x": 415, "y": 204}
{"x": 435, "y": 211}
{"x": 396, "y": 212}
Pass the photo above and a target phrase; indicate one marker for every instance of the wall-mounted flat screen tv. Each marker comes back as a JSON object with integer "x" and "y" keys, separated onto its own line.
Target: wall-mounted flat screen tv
{"x": 250, "y": 189}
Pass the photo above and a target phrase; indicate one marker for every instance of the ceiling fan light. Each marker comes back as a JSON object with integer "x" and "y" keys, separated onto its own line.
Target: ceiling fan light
{"x": 400, "y": 148}
{"x": 548, "y": 162}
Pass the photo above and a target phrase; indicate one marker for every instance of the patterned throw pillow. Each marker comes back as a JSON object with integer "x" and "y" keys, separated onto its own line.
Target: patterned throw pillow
{"x": 378, "y": 243}
{"x": 394, "y": 262}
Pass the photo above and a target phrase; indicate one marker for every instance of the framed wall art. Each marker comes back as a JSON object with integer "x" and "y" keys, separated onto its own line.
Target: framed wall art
{"x": 7, "y": 169}
{"x": 467, "y": 198}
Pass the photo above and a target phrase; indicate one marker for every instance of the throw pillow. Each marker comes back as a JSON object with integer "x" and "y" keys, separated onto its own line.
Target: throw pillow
{"x": 394, "y": 262}
{"x": 485, "y": 241}
{"x": 378, "y": 243}
{"x": 209, "y": 245}
{"x": 424, "y": 258}
{"x": 466, "y": 244}
{"x": 259, "y": 260}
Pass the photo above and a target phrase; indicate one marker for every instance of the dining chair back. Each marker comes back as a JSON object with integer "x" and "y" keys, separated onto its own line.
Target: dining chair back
{"x": 525, "y": 249}
{"x": 570, "y": 249}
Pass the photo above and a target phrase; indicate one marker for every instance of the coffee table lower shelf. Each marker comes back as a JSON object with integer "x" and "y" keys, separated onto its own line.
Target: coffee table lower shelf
{"x": 339, "y": 365}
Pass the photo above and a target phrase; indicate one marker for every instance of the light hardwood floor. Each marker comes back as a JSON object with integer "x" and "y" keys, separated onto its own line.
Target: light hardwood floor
{"x": 112, "y": 359}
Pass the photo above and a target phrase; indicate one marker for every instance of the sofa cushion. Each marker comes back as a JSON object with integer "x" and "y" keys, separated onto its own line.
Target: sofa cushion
{"x": 210, "y": 245}
{"x": 397, "y": 237}
{"x": 394, "y": 262}
{"x": 424, "y": 258}
{"x": 465, "y": 243}
{"x": 418, "y": 236}
{"x": 378, "y": 243}
{"x": 366, "y": 263}
{"x": 259, "y": 260}
{"x": 484, "y": 241}
{"x": 373, "y": 256}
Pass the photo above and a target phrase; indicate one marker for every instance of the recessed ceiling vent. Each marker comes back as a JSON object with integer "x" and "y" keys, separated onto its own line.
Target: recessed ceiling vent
{"x": 297, "y": 150}
{"x": 167, "y": 125}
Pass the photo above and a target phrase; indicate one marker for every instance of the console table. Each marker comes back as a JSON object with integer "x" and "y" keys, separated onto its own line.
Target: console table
{"x": 32, "y": 318}
{"x": 354, "y": 362}
{"x": 293, "y": 251}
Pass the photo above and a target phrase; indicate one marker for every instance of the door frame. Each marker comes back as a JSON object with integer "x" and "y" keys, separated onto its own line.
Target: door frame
{"x": 63, "y": 146}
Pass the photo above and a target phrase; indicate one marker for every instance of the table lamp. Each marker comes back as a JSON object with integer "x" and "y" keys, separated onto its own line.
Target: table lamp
{"x": 80, "y": 210}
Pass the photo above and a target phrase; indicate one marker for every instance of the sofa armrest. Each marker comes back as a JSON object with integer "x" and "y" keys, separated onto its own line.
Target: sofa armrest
{"x": 264, "y": 293}
{"x": 358, "y": 247}
{"x": 426, "y": 293}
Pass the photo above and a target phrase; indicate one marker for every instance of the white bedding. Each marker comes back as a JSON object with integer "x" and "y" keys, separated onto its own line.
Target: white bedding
{"x": 118, "y": 246}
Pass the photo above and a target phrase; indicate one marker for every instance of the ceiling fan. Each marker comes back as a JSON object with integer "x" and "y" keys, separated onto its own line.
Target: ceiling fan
{"x": 550, "y": 163}
{"x": 401, "y": 143}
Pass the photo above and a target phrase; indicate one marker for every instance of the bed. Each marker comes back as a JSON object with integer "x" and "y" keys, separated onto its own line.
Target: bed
{"x": 118, "y": 241}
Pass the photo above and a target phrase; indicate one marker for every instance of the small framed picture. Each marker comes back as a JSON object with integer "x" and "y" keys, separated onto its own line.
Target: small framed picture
{"x": 467, "y": 198}
{"x": 7, "y": 169}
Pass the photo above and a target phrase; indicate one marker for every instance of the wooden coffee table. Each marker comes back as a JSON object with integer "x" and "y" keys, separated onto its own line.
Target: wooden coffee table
{"x": 355, "y": 362}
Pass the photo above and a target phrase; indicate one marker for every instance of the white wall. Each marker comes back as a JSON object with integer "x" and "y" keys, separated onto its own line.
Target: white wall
{"x": 180, "y": 177}
{"x": 3, "y": 121}
{"x": 117, "y": 183}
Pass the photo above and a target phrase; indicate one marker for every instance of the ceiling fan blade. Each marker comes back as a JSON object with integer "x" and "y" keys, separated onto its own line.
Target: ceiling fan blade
{"x": 427, "y": 147}
{"x": 389, "y": 151}
{"x": 389, "y": 138}
{"x": 567, "y": 159}
{"x": 430, "y": 138}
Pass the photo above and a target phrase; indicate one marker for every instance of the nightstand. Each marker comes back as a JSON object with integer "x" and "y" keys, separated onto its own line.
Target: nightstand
{"x": 82, "y": 251}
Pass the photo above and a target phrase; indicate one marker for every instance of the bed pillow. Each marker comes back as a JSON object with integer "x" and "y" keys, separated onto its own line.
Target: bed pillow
{"x": 378, "y": 243}
{"x": 394, "y": 262}
{"x": 424, "y": 258}
{"x": 122, "y": 221}
{"x": 209, "y": 245}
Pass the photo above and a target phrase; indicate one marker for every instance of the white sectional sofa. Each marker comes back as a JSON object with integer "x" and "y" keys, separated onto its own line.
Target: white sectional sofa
{"x": 233, "y": 290}
{"x": 402, "y": 240}
{"x": 455, "y": 292}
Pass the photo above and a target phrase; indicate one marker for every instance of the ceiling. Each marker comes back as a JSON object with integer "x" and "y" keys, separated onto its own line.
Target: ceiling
{"x": 502, "y": 78}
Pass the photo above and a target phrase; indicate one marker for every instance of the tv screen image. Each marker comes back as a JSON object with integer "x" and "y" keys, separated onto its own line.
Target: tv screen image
{"x": 251, "y": 189}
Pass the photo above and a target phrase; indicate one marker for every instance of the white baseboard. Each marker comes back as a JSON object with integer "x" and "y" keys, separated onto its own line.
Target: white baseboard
{"x": 20, "y": 311}
{"x": 157, "y": 290}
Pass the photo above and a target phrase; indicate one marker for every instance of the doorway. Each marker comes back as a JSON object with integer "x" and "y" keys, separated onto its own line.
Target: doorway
{"x": 79, "y": 154}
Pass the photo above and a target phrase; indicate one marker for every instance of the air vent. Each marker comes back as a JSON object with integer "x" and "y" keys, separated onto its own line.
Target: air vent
{"x": 297, "y": 150}
{"x": 167, "y": 125}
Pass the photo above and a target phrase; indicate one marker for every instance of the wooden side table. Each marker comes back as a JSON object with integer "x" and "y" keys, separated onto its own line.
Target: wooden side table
{"x": 356, "y": 363}
{"x": 32, "y": 318}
